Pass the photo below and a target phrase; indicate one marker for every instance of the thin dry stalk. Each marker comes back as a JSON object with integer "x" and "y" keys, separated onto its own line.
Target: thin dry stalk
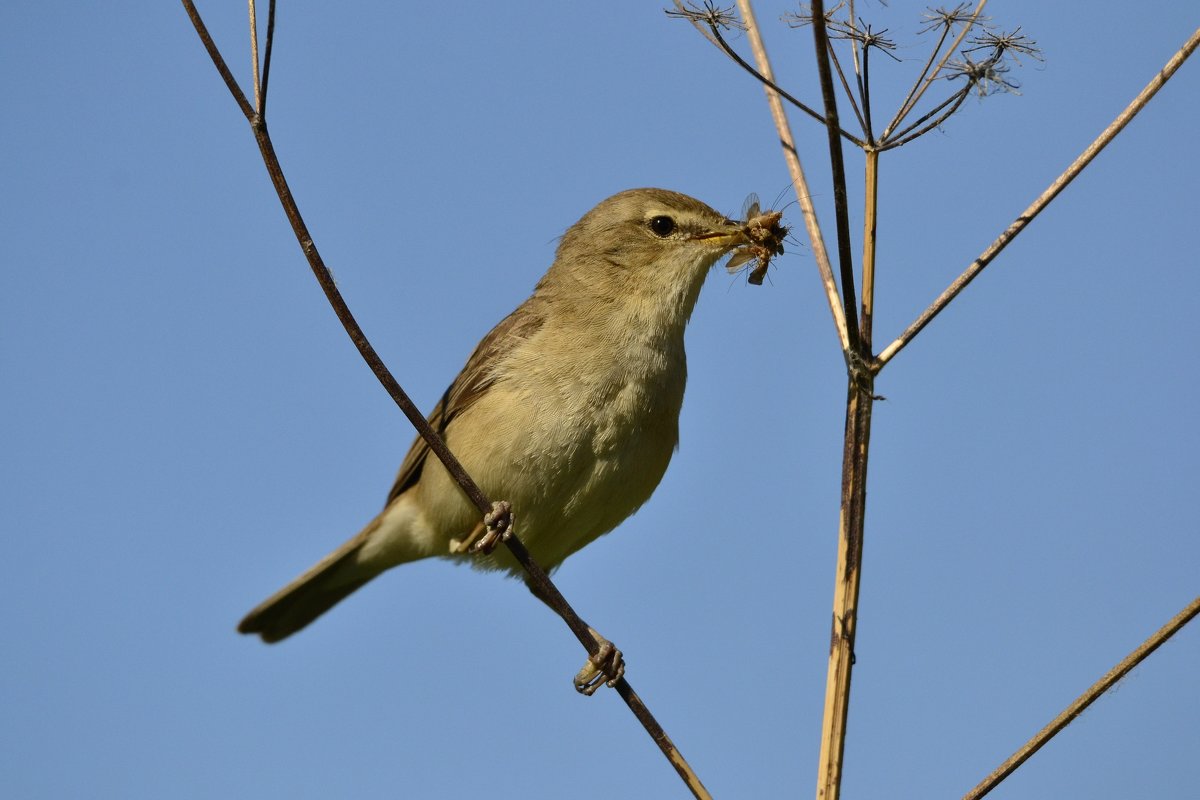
{"x": 856, "y": 444}
{"x": 860, "y": 399}
{"x": 841, "y": 210}
{"x": 917, "y": 130}
{"x": 903, "y": 109}
{"x": 859, "y": 405}
{"x": 870, "y": 215}
{"x": 266, "y": 68}
{"x": 1071, "y": 712}
{"x": 254, "y": 56}
{"x": 863, "y": 121}
{"x": 799, "y": 182}
{"x": 1043, "y": 200}
{"x": 542, "y": 586}
{"x": 854, "y": 43}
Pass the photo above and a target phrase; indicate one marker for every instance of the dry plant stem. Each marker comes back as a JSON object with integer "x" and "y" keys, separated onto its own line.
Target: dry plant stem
{"x": 254, "y": 56}
{"x": 864, "y": 88}
{"x": 1036, "y": 207}
{"x": 915, "y": 97}
{"x": 266, "y": 69}
{"x": 841, "y": 210}
{"x": 545, "y": 587}
{"x": 856, "y": 446}
{"x": 857, "y": 440}
{"x": 870, "y": 212}
{"x": 799, "y": 182}
{"x": 1086, "y": 699}
{"x": 854, "y": 43}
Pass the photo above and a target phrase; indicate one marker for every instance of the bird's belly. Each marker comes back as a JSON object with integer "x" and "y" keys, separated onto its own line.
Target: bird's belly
{"x": 572, "y": 472}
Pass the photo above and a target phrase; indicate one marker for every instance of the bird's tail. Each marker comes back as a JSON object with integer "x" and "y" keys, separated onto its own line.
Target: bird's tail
{"x": 319, "y": 589}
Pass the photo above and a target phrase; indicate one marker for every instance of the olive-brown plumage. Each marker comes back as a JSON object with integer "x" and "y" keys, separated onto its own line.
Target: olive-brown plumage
{"x": 568, "y": 408}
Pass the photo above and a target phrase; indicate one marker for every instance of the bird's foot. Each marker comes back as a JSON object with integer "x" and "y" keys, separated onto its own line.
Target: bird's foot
{"x": 603, "y": 669}
{"x": 497, "y": 525}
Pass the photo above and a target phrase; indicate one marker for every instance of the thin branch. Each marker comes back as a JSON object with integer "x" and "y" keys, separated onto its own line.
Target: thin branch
{"x": 768, "y": 82}
{"x": 864, "y": 85}
{"x": 543, "y": 587}
{"x": 957, "y": 96}
{"x": 219, "y": 62}
{"x": 864, "y": 122}
{"x": 913, "y": 99}
{"x": 904, "y": 137}
{"x": 1035, "y": 208}
{"x": 902, "y": 111}
{"x": 838, "y": 168}
{"x": 254, "y": 57}
{"x": 853, "y": 15}
{"x": 870, "y": 215}
{"x": 266, "y": 70}
{"x": 790, "y": 155}
{"x": 1071, "y": 712}
{"x": 741, "y": 62}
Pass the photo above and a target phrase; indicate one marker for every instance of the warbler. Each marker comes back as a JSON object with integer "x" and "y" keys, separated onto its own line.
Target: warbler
{"x": 568, "y": 408}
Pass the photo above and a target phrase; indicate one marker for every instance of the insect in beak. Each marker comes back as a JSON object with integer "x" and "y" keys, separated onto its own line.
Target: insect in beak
{"x": 764, "y": 240}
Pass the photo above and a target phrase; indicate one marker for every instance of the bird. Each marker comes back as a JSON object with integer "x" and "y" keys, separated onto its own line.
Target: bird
{"x": 568, "y": 409}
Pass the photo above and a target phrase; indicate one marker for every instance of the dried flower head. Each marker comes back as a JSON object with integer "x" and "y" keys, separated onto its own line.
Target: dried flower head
{"x": 869, "y": 38}
{"x": 1015, "y": 44}
{"x": 709, "y": 14}
{"x": 805, "y": 17}
{"x": 843, "y": 28}
{"x": 949, "y": 18}
{"x": 986, "y": 77}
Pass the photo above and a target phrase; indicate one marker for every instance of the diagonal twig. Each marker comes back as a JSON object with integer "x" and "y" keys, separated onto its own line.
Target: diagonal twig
{"x": 266, "y": 67}
{"x": 1084, "y": 700}
{"x": 1043, "y": 200}
{"x": 919, "y": 129}
{"x": 254, "y": 79}
{"x": 543, "y": 587}
{"x": 863, "y": 122}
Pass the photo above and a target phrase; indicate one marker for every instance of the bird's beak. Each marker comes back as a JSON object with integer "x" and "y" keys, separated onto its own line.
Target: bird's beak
{"x": 725, "y": 236}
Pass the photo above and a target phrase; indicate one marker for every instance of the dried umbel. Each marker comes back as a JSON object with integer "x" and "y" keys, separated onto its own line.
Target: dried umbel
{"x": 765, "y": 235}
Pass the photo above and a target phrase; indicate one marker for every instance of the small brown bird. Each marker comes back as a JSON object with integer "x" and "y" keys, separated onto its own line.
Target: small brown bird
{"x": 568, "y": 409}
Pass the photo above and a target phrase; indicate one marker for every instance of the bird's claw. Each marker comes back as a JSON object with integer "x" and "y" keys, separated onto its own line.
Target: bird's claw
{"x": 498, "y": 522}
{"x": 604, "y": 668}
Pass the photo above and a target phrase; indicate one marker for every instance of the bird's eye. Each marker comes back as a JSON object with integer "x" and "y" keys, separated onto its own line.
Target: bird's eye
{"x": 662, "y": 226}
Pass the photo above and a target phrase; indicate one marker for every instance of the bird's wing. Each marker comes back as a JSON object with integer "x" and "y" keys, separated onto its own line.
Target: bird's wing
{"x": 469, "y": 386}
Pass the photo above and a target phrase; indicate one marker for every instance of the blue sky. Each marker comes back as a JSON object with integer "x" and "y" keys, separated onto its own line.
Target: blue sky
{"x": 185, "y": 426}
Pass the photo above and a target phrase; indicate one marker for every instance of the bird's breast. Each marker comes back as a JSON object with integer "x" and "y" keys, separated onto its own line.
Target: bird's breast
{"x": 600, "y": 423}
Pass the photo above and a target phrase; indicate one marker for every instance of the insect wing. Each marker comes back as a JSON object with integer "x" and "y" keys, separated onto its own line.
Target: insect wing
{"x": 750, "y": 208}
{"x": 739, "y": 258}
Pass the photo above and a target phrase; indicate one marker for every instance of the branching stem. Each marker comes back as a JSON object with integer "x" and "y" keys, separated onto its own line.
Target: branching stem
{"x": 919, "y": 88}
{"x": 1043, "y": 200}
